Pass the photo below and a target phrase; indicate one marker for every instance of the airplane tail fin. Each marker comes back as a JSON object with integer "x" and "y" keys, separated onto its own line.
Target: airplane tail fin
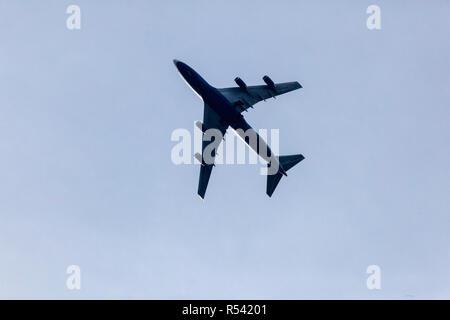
{"x": 286, "y": 163}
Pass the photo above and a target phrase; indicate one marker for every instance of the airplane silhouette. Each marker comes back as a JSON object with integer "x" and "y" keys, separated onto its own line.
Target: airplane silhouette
{"x": 223, "y": 108}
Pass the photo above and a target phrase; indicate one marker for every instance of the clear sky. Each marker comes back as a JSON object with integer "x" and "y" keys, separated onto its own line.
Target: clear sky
{"x": 86, "y": 176}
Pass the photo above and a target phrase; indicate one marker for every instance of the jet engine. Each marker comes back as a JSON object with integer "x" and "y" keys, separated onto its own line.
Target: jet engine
{"x": 269, "y": 82}
{"x": 240, "y": 83}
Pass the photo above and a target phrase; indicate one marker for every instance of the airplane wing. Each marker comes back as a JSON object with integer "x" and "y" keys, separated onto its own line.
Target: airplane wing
{"x": 246, "y": 98}
{"x": 211, "y": 120}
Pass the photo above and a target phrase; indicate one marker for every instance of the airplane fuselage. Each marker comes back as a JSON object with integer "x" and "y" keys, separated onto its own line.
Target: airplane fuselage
{"x": 226, "y": 110}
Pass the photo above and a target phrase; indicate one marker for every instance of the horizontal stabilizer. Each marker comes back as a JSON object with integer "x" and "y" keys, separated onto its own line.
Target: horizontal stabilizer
{"x": 272, "y": 182}
{"x": 286, "y": 163}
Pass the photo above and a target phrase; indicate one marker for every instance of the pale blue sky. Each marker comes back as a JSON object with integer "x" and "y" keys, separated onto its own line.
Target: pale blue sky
{"x": 85, "y": 169}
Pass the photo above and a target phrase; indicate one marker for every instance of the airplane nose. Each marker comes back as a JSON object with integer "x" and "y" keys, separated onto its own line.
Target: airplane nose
{"x": 175, "y": 61}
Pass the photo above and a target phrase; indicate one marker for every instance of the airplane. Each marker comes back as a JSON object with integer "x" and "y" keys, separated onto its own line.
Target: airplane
{"x": 223, "y": 108}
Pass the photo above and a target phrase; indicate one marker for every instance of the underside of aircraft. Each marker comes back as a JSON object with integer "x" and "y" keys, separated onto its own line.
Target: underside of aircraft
{"x": 223, "y": 108}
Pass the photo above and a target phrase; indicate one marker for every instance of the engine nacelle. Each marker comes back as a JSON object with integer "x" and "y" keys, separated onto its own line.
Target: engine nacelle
{"x": 240, "y": 83}
{"x": 269, "y": 82}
